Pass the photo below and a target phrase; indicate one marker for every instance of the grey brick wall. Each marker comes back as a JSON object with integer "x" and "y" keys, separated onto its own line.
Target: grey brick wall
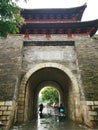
{"x": 87, "y": 53}
{"x": 10, "y": 65}
{"x": 12, "y": 52}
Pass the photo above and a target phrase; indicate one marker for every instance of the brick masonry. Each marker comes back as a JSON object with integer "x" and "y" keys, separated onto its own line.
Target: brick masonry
{"x": 5, "y": 111}
{"x": 87, "y": 53}
{"x": 10, "y": 74}
{"x": 10, "y": 66}
{"x": 93, "y": 111}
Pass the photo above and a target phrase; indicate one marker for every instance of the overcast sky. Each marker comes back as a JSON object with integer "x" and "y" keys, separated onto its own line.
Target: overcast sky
{"x": 90, "y": 13}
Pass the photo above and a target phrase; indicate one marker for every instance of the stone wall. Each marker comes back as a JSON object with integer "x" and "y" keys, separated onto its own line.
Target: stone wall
{"x": 10, "y": 74}
{"x": 93, "y": 111}
{"x": 90, "y": 109}
{"x": 15, "y": 60}
{"x": 87, "y": 53}
{"x": 5, "y": 111}
{"x": 10, "y": 66}
{"x": 85, "y": 64}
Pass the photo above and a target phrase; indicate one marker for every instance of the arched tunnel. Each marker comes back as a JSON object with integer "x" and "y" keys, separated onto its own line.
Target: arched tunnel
{"x": 57, "y": 78}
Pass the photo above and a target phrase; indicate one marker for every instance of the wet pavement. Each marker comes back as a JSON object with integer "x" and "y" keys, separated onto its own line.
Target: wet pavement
{"x": 50, "y": 123}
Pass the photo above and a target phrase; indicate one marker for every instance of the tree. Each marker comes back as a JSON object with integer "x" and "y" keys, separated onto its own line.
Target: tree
{"x": 50, "y": 94}
{"x": 10, "y": 18}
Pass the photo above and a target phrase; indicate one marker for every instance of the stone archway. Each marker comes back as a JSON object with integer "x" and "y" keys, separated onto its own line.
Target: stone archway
{"x": 49, "y": 73}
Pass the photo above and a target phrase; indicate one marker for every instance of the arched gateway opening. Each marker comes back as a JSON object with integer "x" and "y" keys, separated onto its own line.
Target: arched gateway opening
{"x": 53, "y": 74}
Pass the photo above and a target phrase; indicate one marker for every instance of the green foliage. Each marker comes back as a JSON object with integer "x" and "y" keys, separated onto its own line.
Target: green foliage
{"x": 10, "y": 19}
{"x": 50, "y": 94}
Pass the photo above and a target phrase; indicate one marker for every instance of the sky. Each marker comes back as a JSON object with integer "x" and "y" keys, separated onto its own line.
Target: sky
{"x": 90, "y": 13}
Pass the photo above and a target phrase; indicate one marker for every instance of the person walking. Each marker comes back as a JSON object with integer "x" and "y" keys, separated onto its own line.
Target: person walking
{"x": 61, "y": 110}
{"x": 41, "y": 108}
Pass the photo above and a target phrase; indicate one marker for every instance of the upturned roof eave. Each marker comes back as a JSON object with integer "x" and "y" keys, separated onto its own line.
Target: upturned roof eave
{"x": 72, "y": 12}
{"x": 44, "y": 10}
{"x": 89, "y": 27}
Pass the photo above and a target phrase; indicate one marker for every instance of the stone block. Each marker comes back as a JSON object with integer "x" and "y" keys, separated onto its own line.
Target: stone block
{"x": 5, "y": 122}
{"x": 96, "y": 118}
{"x": 21, "y": 99}
{"x": 93, "y": 107}
{"x": 1, "y": 112}
{"x": 92, "y": 113}
{"x": 3, "y": 118}
{"x": 96, "y": 102}
{"x": 20, "y": 111}
{"x": 3, "y": 108}
{"x": 2, "y": 103}
{"x": 9, "y": 108}
{"x": 6, "y": 112}
{"x": 91, "y": 117}
{"x": 21, "y": 96}
{"x": 90, "y": 103}
{"x": 84, "y": 103}
{"x": 8, "y": 103}
{"x": 96, "y": 107}
{"x": 20, "y": 103}
{"x": 20, "y": 117}
{"x": 8, "y": 118}
{"x": 21, "y": 107}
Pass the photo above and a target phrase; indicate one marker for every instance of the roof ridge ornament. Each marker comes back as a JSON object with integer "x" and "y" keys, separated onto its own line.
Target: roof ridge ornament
{"x": 85, "y": 4}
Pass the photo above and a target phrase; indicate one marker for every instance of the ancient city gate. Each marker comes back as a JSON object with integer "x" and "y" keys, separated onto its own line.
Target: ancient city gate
{"x": 50, "y": 59}
{"x": 53, "y": 48}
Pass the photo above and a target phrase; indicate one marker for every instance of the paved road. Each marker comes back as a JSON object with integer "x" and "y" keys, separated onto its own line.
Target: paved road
{"x": 50, "y": 122}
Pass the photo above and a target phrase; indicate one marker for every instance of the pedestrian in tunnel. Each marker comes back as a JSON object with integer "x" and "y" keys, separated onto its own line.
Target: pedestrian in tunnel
{"x": 61, "y": 110}
{"x": 56, "y": 107}
{"x": 41, "y": 108}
